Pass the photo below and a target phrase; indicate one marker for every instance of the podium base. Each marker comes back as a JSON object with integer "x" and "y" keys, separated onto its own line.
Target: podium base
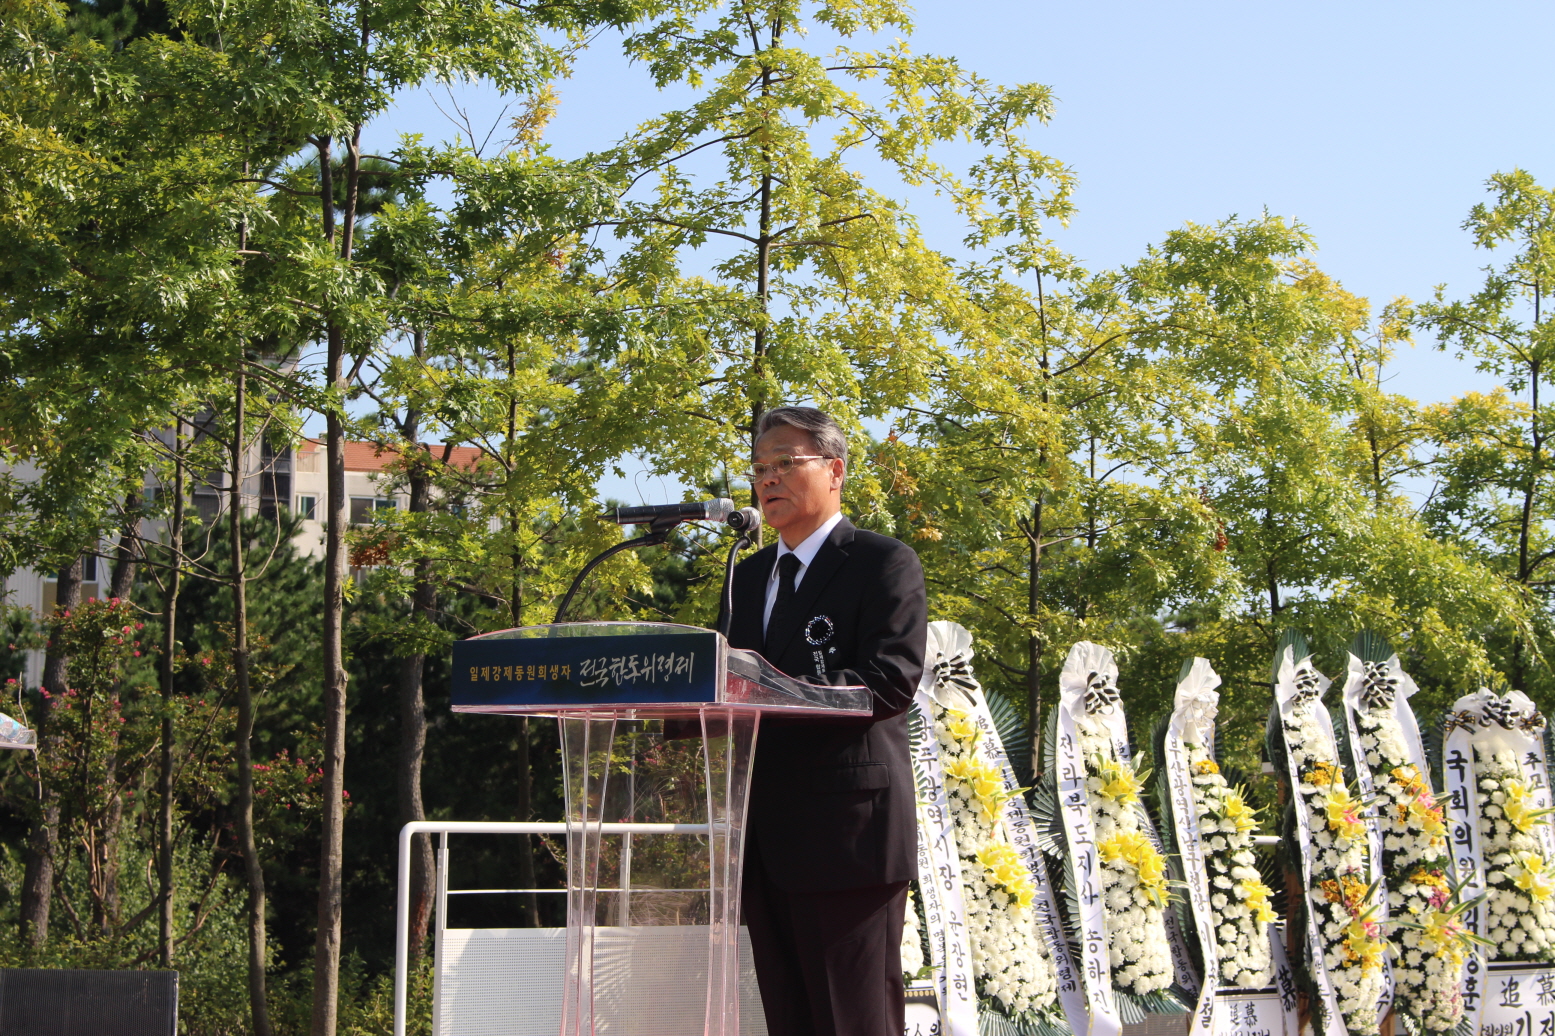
{"x": 648, "y": 981}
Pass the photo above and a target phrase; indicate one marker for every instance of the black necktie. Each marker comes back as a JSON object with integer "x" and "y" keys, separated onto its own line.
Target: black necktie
{"x": 788, "y": 568}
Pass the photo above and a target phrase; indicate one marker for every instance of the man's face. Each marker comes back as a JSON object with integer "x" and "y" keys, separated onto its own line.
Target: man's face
{"x": 798, "y": 503}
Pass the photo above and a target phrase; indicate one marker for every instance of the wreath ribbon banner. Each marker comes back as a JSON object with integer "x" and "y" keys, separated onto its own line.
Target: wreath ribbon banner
{"x": 939, "y": 877}
{"x": 1354, "y": 698}
{"x": 959, "y": 688}
{"x": 1487, "y": 723}
{"x": 950, "y": 681}
{"x": 1184, "y": 973}
{"x": 1192, "y": 720}
{"x": 1528, "y": 724}
{"x": 1287, "y": 696}
{"x": 1463, "y": 833}
{"x": 1073, "y": 805}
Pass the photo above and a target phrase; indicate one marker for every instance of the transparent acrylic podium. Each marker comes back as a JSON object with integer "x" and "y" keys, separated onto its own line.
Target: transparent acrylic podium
{"x": 658, "y": 725}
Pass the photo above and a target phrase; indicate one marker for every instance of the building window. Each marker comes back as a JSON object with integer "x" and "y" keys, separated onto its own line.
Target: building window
{"x": 307, "y": 507}
{"x": 362, "y": 508}
{"x": 207, "y": 504}
{"x": 275, "y": 479}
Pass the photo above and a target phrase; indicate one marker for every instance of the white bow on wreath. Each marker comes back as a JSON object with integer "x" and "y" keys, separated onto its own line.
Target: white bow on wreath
{"x": 949, "y": 657}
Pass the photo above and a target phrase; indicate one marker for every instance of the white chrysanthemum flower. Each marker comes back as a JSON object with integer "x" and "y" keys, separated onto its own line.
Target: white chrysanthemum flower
{"x": 1415, "y": 869}
{"x": 1009, "y": 957}
{"x": 1340, "y": 907}
{"x": 1134, "y": 890}
{"x": 1238, "y": 896}
{"x": 1520, "y": 924}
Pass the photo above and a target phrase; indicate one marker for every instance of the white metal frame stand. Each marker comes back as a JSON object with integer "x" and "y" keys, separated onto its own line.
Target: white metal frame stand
{"x": 479, "y": 827}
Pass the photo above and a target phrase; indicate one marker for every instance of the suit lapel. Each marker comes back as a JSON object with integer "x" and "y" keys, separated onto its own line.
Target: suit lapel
{"x": 830, "y": 558}
{"x": 745, "y": 629}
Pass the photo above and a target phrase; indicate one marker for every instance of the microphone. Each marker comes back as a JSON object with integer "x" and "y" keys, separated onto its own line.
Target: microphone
{"x": 691, "y": 511}
{"x": 746, "y": 521}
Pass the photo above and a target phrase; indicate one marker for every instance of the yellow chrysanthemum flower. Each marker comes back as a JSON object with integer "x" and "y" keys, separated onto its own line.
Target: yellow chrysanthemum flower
{"x": 960, "y": 726}
{"x": 1004, "y": 867}
{"x": 988, "y": 784}
{"x": 1344, "y": 812}
{"x": 1235, "y": 809}
{"x": 1363, "y": 945}
{"x": 1257, "y": 894}
{"x": 1206, "y": 767}
{"x": 1121, "y": 846}
{"x": 1409, "y": 777}
{"x": 985, "y": 781}
{"x": 1118, "y": 782}
{"x": 961, "y": 769}
{"x": 1443, "y": 934}
{"x": 1321, "y": 775}
{"x": 1530, "y": 873}
{"x": 1431, "y": 880}
{"x": 1429, "y": 818}
{"x": 1149, "y": 865}
{"x": 1519, "y": 809}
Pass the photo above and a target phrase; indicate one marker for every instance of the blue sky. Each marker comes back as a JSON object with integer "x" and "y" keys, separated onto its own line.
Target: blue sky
{"x": 1375, "y": 124}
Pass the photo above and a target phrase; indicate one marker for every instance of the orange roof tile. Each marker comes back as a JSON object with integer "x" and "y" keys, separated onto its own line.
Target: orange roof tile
{"x": 366, "y": 456}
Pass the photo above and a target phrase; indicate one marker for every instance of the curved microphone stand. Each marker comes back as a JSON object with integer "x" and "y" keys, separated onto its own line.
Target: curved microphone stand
{"x": 657, "y": 533}
{"x": 726, "y": 613}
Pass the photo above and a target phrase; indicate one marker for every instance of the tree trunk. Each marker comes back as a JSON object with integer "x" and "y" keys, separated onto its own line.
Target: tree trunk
{"x": 175, "y": 551}
{"x": 1034, "y": 640}
{"x": 759, "y": 346}
{"x": 253, "y": 867}
{"x": 106, "y": 903}
{"x": 1271, "y": 572}
{"x": 1034, "y": 636}
{"x": 38, "y": 858}
{"x": 124, "y": 557}
{"x": 1519, "y": 674}
{"x": 326, "y": 957}
{"x": 326, "y": 951}
{"x": 528, "y": 907}
{"x": 413, "y": 716}
{"x": 523, "y": 811}
{"x": 413, "y": 739}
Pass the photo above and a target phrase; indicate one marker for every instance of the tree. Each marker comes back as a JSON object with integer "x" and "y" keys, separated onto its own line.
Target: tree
{"x": 807, "y": 283}
{"x": 1303, "y": 460}
{"x": 1047, "y": 475}
{"x": 106, "y": 282}
{"x": 500, "y": 367}
{"x": 1495, "y": 471}
{"x": 348, "y": 63}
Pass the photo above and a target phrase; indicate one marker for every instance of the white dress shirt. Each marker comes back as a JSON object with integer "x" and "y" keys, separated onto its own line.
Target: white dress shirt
{"x": 805, "y": 552}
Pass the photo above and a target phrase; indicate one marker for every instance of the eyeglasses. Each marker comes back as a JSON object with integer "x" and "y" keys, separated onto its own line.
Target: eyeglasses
{"x": 780, "y": 466}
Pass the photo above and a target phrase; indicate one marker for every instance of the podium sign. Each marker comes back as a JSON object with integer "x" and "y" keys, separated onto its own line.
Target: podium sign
{"x": 613, "y": 687}
{"x": 556, "y": 673}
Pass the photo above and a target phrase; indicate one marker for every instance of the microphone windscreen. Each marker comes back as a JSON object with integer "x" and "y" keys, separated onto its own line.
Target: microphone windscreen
{"x": 745, "y": 519}
{"x": 720, "y": 509}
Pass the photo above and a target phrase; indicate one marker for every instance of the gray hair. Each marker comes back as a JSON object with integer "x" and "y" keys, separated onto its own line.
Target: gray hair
{"x": 823, "y": 431}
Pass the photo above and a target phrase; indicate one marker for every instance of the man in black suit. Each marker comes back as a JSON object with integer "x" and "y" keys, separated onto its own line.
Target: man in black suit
{"x": 832, "y": 831}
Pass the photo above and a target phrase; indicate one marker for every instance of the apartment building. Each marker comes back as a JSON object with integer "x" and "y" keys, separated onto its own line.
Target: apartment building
{"x": 292, "y": 479}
